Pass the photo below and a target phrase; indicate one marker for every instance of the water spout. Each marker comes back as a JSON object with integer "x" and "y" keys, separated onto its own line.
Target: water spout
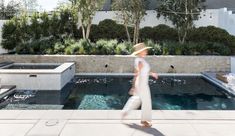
{"x": 171, "y": 69}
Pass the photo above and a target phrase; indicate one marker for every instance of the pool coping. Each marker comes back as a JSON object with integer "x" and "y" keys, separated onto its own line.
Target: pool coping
{"x": 60, "y": 69}
{"x": 115, "y": 115}
{"x": 219, "y": 83}
{"x": 132, "y": 74}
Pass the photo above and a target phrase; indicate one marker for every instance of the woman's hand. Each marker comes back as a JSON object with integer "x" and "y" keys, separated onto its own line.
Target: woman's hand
{"x": 154, "y": 75}
{"x": 132, "y": 91}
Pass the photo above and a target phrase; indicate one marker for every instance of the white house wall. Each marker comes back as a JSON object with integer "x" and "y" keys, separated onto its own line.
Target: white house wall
{"x": 208, "y": 17}
{"x": 150, "y": 19}
{"x": 227, "y": 20}
{"x": 211, "y": 17}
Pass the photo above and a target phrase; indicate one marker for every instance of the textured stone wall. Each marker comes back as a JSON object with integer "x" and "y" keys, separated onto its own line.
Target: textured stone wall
{"x": 124, "y": 64}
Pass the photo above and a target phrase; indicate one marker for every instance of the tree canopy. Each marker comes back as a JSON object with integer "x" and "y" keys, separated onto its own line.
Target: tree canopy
{"x": 131, "y": 12}
{"x": 10, "y": 10}
{"x": 86, "y": 10}
{"x": 182, "y": 13}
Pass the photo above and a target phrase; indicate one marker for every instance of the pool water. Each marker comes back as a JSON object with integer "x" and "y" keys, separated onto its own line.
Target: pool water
{"x": 111, "y": 92}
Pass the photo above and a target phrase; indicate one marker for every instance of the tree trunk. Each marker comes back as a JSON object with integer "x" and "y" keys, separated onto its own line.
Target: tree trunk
{"x": 127, "y": 33}
{"x": 134, "y": 36}
{"x": 88, "y": 31}
{"x": 83, "y": 32}
{"x": 180, "y": 35}
{"x": 137, "y": 32}
{"x": 184, "y": 36}
{"x": 184, "y": 32}
{"x": 88, "y": 28}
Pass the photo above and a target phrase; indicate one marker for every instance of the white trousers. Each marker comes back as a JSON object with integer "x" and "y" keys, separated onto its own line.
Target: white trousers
{"x": 143, "y": 99}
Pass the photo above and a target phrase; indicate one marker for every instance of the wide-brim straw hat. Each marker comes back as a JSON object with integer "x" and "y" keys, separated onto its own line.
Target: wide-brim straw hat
{"x": 139, "y": 48}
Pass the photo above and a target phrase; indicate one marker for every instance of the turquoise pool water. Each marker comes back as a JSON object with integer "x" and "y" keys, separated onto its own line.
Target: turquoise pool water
{"x": 111, "y": 92}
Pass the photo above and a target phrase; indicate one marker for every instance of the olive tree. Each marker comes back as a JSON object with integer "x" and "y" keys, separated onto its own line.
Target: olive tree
{"x": 131, "y": 12}
{"x": 86, "y": 10}
{"x": 182, "y": 13}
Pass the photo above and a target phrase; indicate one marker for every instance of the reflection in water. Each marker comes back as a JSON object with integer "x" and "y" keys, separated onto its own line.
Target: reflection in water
{"x": 23, "y": 95}
{"x": 172, "y": 81}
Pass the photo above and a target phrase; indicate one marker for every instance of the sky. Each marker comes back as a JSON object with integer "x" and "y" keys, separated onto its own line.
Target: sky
{"x": 46, "y": 5}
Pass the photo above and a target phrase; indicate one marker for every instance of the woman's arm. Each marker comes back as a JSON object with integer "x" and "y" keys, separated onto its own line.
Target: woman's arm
{"x": 154, "y": 75}
{"x": 136, "y": 73}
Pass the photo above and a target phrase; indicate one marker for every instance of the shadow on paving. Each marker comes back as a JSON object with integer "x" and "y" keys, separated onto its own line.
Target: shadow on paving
{"x": 150, "y": 130}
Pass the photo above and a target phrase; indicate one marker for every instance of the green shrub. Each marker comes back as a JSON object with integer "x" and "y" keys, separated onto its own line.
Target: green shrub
{"x": 10, "y": 34}
{"x": 59, "y": 48}
{"x": 74, "y": 48}
{"x": 95, "y": 33}
{"x": 42, "y": 46}
{"x": 220, "y": 49}
{"x": 68, "y": 50}
{"x": 84, "y": 47}
{"x": 45, "y": 24}
{"x": 124, "y": 48}
{"x": 81, "y": 47}
{"x": 170, "y": 48}
{"x": 146, "y": 33}
{"x": 49, "y": 51}
{"x": 163, "y": 33}
{"x": 108, "y": 29}
{"x": 55, "y": 24}
{"x": 28, "y": 32}
{"x": 35, "y": 28}
{"x": 106, "y": 47}
{"x": 193, "y": 48}
{"x": 156, "y": 48}
{"x": 211, "y": 34}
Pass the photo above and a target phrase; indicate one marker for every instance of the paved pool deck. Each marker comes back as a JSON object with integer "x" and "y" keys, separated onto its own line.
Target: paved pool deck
{"x": 108, "y": 123}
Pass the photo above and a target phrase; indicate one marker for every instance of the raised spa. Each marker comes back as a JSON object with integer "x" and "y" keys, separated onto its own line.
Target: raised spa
{"x": 37, "y": 76}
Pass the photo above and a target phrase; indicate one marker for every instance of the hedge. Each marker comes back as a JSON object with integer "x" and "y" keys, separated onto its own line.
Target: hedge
{"x": 23, "y": 30}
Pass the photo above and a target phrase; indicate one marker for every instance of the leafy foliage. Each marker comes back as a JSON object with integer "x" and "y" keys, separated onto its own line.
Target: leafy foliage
{"x": 182, "y": 13}
{"x": 86, "y": 10}
{"x": 25, "y": 31}
{"x": 131, "y": 12}
{"x": 10, "y": 10}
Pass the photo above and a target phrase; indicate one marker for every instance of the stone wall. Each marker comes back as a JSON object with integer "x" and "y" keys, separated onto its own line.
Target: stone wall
{"x": 124, "y": 64}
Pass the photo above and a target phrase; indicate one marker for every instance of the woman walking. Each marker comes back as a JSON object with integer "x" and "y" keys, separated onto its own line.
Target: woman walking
{"x": 140, "y": 90}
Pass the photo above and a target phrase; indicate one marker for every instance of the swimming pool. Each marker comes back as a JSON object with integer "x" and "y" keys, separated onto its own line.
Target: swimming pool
{"x": 109, "y": 92}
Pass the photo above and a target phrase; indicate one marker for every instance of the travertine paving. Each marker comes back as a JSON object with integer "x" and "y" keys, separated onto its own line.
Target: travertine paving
{"x": 108, "y": 123}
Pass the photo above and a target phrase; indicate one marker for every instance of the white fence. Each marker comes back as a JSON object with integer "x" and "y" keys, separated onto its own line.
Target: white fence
{"x": 215, "y": 17}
